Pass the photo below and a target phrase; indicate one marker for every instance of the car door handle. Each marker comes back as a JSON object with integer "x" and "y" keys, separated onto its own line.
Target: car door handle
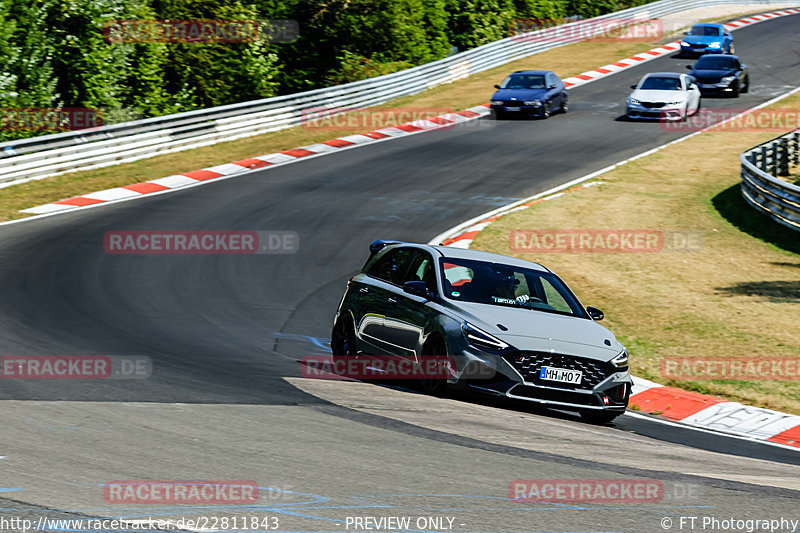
{"x": 392, "y": 300}
{"x": 363, "y": 290}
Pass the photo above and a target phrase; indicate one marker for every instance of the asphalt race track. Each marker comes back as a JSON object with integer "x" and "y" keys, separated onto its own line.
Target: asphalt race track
{"x": 225, "y": 334}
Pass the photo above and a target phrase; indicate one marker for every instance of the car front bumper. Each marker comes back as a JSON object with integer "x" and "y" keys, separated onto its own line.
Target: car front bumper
{"x": 664, "y": 113}
{"x": 603, "y": 390}
{"x": 721, "y": 86}
{"x": 521, "y": 109}
{"x": 691, "y": 50}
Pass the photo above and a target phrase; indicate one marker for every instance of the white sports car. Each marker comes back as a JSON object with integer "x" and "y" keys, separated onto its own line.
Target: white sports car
{"x": 664, "y": 95}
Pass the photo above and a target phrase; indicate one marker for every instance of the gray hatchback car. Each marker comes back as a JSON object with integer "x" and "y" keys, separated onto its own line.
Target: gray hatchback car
{"x": 510, "y": 327}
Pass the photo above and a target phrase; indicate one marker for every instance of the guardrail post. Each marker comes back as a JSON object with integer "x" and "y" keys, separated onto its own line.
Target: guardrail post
{"x": 764, "y": 158}
{"x": 782, "y": 157}
{"x": 772, "y": 162}
{"x": 795, "y": 151}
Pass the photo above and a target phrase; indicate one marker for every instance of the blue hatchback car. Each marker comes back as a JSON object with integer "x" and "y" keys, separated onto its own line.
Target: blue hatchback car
{"x": 537, "y": 93}
{"x": 707, "y": 39}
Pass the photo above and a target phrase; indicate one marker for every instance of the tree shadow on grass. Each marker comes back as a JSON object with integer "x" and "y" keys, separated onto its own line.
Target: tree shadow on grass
{"x": 730, "y": 204}
{"x": 773, "y": 291}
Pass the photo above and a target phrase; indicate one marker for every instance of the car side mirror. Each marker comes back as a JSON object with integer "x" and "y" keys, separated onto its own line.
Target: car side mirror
{"x": 633, "y": 86}
{"x": 551, "y": 86}
{"x": 686, "y": 33}
{"x": 496, "y": 86}
{"x": 689, "y": 67}
{"x": 595, "y": 313}
{"x": 418, "y": 288}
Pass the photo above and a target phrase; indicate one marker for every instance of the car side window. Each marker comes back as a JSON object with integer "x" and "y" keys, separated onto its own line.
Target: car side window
{"x": 422, "y": 270}
{"x": 392, "y": 267}
{"x": 553, "y": 298}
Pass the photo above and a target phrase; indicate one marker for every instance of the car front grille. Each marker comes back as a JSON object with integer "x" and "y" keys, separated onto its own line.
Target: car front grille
{"x": 698, "y": 45}
{"x": 653, "y": 105}
{"x": 513, "y": 103}
{"x": 528, "y": 364}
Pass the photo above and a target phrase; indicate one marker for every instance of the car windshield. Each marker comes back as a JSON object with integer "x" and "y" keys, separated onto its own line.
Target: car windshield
{"x": 658, "y": 83}
{"x": 708, "y": 31}
{"x": 715, "y": 63}
{"x": 523, "y": 81}
{"x": 483, "y": 282}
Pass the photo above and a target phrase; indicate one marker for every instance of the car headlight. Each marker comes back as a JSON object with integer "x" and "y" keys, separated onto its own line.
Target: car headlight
{"x": 634, "y": 101}
{"x": 684, "y": 43}
{"x": 480, "y": 339}
{"x": 715, "y": 45}
{"x": 676, "y": 102}
{"x": 496, "y": 102}
{"x": 621, "y": 361}
{"x": 532, "y": 102}
{"x": 728, "y": 79}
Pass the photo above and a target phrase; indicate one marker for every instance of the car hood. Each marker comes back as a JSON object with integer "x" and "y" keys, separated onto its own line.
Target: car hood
{"x": 650, "y": 95}
{"x": 541, "y": 331}
{"x": 519, "y": 94}
{"x": 712, "y": 74}
{"x": 702, "y": 39}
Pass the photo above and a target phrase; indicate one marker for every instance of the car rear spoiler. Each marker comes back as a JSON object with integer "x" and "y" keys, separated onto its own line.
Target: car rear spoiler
{"x": 378, "y": 245}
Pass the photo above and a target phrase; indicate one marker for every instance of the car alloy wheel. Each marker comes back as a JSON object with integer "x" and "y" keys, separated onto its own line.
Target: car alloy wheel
{"x": 546, "y": 110}
{"x": 564, "y": 105}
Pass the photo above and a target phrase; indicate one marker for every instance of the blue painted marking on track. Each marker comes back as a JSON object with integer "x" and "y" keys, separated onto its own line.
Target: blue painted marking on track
{"x": 320, "y": 342}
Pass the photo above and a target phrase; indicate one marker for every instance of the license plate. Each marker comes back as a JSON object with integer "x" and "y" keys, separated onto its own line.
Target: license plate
{"x": 563, "y": 375}
{"x": 512, "y": 109}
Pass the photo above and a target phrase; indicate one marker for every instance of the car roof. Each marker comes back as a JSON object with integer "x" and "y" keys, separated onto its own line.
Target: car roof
{"x": 380, "y": 245}
{"x": 708, "y": 24}
{"x": 477, "y": 255}
{"x": 663, "y": 74}
{"x": 532, "y": 72}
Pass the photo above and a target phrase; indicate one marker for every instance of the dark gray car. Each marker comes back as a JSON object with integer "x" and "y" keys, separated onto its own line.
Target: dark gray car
{"x": 511, "y": 327}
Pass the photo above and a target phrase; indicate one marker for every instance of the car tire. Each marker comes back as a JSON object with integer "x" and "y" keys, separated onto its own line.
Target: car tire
{"x": 564, "y": 104}
{"x": 546, "y": 111}
{"x": 746, "y": 86}
{"x": 599, "y": 417}
{"x": 343, "y": 338}
{"x": 731, "y": 48}
{"x": 498, "y": 115}
{"x": 431, "y": 385}
{"x": 735, "y": 90}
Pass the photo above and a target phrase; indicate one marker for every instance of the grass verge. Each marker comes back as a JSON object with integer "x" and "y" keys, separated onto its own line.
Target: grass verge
{"x": 737, "y": 296}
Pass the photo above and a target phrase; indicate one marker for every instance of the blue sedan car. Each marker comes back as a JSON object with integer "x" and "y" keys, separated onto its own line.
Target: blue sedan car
{"x": 707, "y": 39}
{"x": 537, "y": 93}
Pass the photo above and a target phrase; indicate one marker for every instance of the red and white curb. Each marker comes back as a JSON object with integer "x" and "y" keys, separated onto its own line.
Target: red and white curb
{"x": 638, "y": 59}
{"x": 196, "y": 177}
{"x": 707, "y": 412}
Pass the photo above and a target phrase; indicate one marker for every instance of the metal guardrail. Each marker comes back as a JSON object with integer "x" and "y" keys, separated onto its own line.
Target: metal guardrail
{"x": 49, "y": 155}
{"x": 761, "y": 187}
